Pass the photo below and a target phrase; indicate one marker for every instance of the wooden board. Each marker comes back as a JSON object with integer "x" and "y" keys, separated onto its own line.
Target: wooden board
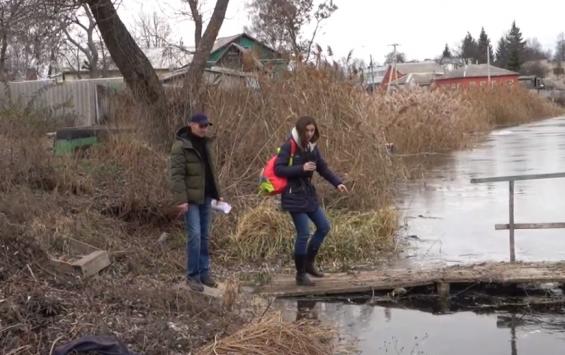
{"x": 86, "y": 259}
{"x": 92, "y": 263}
{"x": 389, "y": 279}
{"x": 217, "y": 292}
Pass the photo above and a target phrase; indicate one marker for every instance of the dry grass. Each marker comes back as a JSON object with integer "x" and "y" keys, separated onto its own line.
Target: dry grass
{"x": 134, "y": 297}
{"x": 274, "y": 336}
{"x": 265, "y": 233}
{"x": 115, "y": 196}
{"x": 419, "y": 120}
{"x": 251, "y": 125}
{"x": 131, "y": 179}
{"x": 122, "y": 184}
{"x": 505, "y": 106}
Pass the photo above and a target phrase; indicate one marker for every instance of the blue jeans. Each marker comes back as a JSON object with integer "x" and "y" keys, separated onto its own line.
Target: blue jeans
{"x": 301, "y": 223}
{"x": 197, "y": 221}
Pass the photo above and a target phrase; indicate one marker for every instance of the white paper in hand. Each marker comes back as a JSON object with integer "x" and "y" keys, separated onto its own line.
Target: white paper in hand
{"x": 221, "y": 206}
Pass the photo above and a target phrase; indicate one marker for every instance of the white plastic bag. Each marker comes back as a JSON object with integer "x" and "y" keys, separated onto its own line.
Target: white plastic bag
{"x": 221, "y": 206}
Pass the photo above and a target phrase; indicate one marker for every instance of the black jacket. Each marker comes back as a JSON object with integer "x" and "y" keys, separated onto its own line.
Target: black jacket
{"x": 300, "y": 194}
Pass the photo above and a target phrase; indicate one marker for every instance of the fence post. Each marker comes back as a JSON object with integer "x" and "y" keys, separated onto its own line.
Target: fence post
{"x": 511, "y": 221}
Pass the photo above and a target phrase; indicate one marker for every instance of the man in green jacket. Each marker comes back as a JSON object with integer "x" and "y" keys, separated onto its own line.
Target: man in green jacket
{"x": 194, "y": 185}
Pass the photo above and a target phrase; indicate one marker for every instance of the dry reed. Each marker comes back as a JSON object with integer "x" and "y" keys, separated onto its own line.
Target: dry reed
{"x": 274, "y": 336}
{"x": 115, "y": 196}
{"x": 265, "y": 233}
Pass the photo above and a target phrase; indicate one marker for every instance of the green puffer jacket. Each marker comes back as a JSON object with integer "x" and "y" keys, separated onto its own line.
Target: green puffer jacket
{"x": 188, "y": 172}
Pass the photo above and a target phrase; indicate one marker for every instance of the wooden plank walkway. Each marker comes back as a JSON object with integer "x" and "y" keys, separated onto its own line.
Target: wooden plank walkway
{"x": 389, "y": 279}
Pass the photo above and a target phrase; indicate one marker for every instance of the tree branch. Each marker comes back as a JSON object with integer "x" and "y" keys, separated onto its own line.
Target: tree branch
{"x": 197, "y": 17}
{"x": 312, "y": 39}
{"x": 76, "y": 43}
{"x": 200, "y": 59}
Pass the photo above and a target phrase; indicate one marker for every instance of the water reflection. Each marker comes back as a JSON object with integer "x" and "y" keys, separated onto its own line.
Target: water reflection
{"x": 305, "y": 310}
{"x": 453, "y": 222}
{"x": 464, "y": 214}
{"x": 403, "y": 331}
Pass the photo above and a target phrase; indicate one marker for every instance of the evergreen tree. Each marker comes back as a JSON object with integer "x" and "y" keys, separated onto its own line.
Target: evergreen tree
{"x": 560, "y": 48}
{"x": 516, "y": 45}
{"x": 502, "y": 52}
{"x": 559, "y": 55}
{"x": 446, "y": 52}
{"x": 482, "y": 47}
{"x": 469, "y": 48}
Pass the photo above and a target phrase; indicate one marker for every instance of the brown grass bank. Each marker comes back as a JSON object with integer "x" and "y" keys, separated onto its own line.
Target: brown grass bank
{"x": 115, "y": 196}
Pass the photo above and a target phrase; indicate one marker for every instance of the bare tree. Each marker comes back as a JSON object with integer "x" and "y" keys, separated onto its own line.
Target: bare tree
{"x": 400, "y": 57}
{"x": 81, "y": 33}
{"x": 324, "y": 11}
{"x": 129, "y": 58}
{"x": 281, "y": 23}
{"x": 192, "y": 84}
{"x": 196, "y": 14}
{"x": 534, "y": 68}
{"x": 13, "y": 13}
{"x": 153, "y": 31}
{"x": 534, "y": 50}
{"x": 136, "y": 69}
{"x": 29, "y": 37}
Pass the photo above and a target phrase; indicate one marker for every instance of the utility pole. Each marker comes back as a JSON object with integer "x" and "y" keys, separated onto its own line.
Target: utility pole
{"x": 372, "y": 71}
{"x": 488, "y": 66}
{"x": 392, "y": 67}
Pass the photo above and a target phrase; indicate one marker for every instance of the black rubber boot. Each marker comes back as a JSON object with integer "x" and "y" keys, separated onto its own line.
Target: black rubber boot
{"x": 310, "y": 259}
{"x": 302, "y": 278}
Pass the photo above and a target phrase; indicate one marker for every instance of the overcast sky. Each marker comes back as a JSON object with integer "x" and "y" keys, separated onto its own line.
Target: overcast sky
{"x": 422, "y": 28}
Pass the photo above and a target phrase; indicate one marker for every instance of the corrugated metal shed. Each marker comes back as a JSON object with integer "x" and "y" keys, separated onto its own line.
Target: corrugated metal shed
{"x": 77, "y": 98}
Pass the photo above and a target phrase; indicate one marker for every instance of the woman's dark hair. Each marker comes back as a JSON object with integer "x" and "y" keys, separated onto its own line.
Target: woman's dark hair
{"x": 301, "y": 128}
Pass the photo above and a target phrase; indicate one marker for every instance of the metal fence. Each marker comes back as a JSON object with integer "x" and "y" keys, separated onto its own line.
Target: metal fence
{"x": 511, "y": 226}
{"x": 78, "y": 98}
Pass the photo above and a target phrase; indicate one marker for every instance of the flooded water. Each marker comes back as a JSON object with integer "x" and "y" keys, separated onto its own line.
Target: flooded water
{"x": 380, "y": 330}
{"x": 454, "y": 220}
{"x": 451, "y": 221}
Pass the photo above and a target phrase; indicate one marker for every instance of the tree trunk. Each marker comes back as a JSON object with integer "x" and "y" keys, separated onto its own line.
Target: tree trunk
{"x": 196, "y": 70}
{"x": 134, "y": 66}
{"x": 94, "y": 73}
{"x": 3, "y": 51}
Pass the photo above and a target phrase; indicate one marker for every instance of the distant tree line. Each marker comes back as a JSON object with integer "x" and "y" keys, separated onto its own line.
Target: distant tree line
{"x": 512, "y": 51}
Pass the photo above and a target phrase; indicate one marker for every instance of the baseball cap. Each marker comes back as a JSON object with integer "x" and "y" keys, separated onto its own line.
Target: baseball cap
{"x": 199, "y": 118}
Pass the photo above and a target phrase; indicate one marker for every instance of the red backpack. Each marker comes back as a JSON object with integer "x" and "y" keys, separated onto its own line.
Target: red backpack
{"x": 270, "y": 183}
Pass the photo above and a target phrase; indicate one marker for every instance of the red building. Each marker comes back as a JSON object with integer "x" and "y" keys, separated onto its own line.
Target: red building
{"x": 475, "y": 75}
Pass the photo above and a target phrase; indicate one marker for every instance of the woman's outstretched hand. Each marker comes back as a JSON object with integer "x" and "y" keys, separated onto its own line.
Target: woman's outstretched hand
{"x": 342, "y": 188}
{"x": 309, "y": 166}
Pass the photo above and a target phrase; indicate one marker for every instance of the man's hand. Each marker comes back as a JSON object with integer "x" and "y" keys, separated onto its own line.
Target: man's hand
{"x": 182, "y": 208}
{"x": 342, "y": 188}
{"x": 309, "y": 166}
